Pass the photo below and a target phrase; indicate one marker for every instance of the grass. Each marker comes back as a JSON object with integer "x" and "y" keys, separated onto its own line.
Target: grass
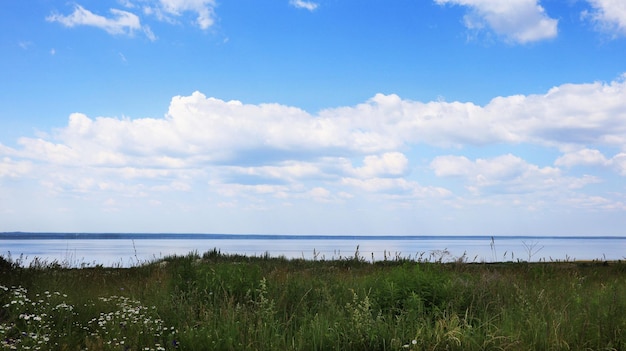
{"x": 231, "y": 302}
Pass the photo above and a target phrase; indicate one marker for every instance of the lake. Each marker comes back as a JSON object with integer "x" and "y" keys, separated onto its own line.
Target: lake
{"x": 115, "y": 249}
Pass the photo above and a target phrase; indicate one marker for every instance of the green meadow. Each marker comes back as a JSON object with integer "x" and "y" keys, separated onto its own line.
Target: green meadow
{"x": 213, "y": 301}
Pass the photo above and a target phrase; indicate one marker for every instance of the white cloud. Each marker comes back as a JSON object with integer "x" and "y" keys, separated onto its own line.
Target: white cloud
{"x": 39, "y": 149}
{"x": 520, "y": 21}
{"x": 619, "y": 163}
{"x": 126, "y": 3}
{"x": 290, "y": 171}
{"x": 396, "y": 187}
{"x": 25, "y": 44}
{"x": 168, "y": 10}
{"x": 320, "y": 194}
{"x": 173, "y": 186}
{"x": 595, "y": 203}
{"x": 481, "y": 171}
{"x": 302, "y": 4}
{"x": 390, "y": 164}
{"x": 121, "y": 22}
{"x": 256, "y": 191}
{"x": 609, "y": 15}
{"x": 149, "y": 34}
{"x": 258, "y": 153}
{"x": 506, "y": 174}
{"x": 199, "y": 130}
{"x": 446, "y": 166}
{"x": 566, "y": 116}
{"x": 125, "y": 22}
{"x": 14, "y": 169}
{"x": 583, "y": 157}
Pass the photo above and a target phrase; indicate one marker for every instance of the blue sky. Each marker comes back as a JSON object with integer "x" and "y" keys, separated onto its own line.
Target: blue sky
{"x": 302, "y": 117}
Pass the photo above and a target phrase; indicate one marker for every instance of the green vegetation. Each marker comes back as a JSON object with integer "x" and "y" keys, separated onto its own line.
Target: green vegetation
{"x": 231, "y": 302}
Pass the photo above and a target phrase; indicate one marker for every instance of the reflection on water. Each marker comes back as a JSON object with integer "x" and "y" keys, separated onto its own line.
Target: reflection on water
{"x": 124, "y": 252}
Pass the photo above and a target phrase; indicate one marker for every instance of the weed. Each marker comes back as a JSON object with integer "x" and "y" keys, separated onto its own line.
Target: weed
{"x": 232, "y": 302}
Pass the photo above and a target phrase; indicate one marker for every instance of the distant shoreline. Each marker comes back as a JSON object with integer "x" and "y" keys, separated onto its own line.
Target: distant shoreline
{"x": 215, "y": 236}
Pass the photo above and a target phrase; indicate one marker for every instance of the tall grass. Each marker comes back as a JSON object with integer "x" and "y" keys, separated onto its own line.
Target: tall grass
{"x": 231, "y": 302}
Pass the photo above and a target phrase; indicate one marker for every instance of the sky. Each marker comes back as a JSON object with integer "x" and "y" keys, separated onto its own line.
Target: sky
{"x": 394, "y": 117}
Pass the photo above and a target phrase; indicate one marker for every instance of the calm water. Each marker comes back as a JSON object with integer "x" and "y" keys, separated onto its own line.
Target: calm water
{"x": 128, "y": 249}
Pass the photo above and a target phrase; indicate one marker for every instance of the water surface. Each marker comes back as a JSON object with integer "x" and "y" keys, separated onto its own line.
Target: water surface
{"x": 115, "y": 249}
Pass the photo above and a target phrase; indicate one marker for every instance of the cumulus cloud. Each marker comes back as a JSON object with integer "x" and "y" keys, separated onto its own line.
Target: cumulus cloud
{"x": 487, "y": 172}
{"x": 520, "y": 21}
{"x": 201, "y": 129}
{"x": 566, "y": 116}
{"x": 231, "y": 148}
{"x": 583, "y": 157}
{"x": 505, "y": 174}
{"x": 302, "y": 4}
{"x": 590, "y": 158}
{"x": 609, "y": 15}
{"x": 121, "y": 22}
{"x": 390, "y": 164}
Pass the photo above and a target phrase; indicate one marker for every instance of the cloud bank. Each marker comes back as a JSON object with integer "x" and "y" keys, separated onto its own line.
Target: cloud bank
{"x": 256, "y": 153}
{"x": 570, "y": 116}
